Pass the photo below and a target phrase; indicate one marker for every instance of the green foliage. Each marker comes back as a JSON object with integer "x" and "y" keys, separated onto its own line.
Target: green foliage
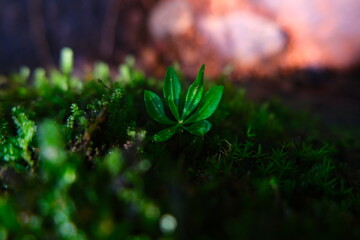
{"x": 207, "y": 105}
{"x": 16, "y": 148}
{"x": 77, "y": 163}
{"x": 155, "y": 108}
{"x": 172, "y": 91}
{"x": 194, "y": 96}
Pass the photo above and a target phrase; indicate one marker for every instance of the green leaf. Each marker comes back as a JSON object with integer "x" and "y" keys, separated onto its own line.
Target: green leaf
{"x": 194, "y": 93}
{"x": 172, "y": 91}
{"x": 208, "y": 105}
{"x": 155, "y": 108}
{"x": 199, "y": 128}
{"x": 165, "y": 134}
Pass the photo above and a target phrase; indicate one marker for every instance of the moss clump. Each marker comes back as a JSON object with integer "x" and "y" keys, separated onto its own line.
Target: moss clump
{"x": 78, "y": 162}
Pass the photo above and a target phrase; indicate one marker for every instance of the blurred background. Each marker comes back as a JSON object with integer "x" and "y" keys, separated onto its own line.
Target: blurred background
{"x": 304, "y": 51}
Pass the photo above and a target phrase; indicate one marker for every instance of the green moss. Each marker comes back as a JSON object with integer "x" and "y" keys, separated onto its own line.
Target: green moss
{"x": 78, "y": 162}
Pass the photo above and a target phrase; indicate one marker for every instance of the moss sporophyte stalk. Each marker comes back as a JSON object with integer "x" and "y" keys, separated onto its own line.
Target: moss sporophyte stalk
{"x": 197, "y": 107}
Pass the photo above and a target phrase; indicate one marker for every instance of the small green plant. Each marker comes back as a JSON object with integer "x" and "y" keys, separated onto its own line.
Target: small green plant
{"x": 196, "y": 108}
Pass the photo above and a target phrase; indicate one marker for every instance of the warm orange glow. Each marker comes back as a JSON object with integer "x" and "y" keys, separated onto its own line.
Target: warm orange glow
{"x": 258, "y": 36}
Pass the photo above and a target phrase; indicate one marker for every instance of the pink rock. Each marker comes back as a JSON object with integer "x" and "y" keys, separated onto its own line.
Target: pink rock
{"x": 323, "y": 33}
{"x": 243, "y": 37}
{"x": 265, "y": 33}
{"x": 170, "y": 18}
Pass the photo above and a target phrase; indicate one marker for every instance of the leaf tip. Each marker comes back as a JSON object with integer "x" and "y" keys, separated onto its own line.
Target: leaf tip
{"x": 146, "y": 92}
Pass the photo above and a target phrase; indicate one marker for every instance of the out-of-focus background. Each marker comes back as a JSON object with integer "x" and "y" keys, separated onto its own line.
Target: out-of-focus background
{"x": 309, "y": 49}
{"x": 258, "y": 35}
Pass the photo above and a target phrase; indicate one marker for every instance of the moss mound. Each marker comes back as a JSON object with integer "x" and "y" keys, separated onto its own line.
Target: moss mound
{"x": 78, "y": 162}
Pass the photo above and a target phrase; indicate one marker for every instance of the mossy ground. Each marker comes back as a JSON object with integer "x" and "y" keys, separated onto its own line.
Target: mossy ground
{"x": 78, "y": 162}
